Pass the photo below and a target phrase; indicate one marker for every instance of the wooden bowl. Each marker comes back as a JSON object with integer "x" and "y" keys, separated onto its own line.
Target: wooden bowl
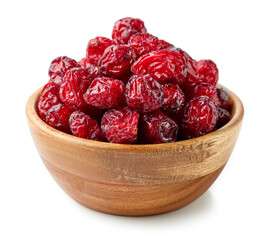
{"x": 134, "y": 179}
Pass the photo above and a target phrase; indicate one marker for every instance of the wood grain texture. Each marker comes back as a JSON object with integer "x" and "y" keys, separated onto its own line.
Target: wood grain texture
{"x": 134, "y": 179}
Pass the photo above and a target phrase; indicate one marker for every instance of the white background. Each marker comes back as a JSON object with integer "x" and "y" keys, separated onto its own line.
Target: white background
{"x": 232, "y": 33}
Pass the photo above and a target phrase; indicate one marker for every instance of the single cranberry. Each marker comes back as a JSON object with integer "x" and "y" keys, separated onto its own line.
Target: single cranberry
{"x": 206, "y": 90}
{"x": 207, "y": 72}
{"x": 92, "y": 69}
{"x": 223, "y": 98}
{"x": 223, "y": 117}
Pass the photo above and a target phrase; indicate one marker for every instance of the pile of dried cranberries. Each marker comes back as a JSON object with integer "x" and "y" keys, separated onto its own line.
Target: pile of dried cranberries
{"x": 134, "y": 88}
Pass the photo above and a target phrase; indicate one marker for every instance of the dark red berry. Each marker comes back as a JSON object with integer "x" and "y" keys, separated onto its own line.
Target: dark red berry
{"x": 165, "y": 44}
{"x": 92, "y": 69}
{"x": 143, "y": 43}
{"x": 96, "y": 47}
{"x": 81, "y": 125}
{"x": 207, "y": 72}
{"x": 58, "y": 67}
{"x": 144, "y": 94}
{"x": 164, "y": 66}
{"x": 48, "y": 98}
{"x": 223, "y": 117}
{"x": 116, "y": 61}
{"x": 206, "y": 90}
{"x": 58, "y": 117}
{"x": 223, "y": 98}
{"x": 125, "y": 28}
{"x": 105, "y": 93}
{"x": 120, "y": 125}
{"x": 157, "y": 127}
{"x": 75, "y": 83}
{"x": 200, "y": 117}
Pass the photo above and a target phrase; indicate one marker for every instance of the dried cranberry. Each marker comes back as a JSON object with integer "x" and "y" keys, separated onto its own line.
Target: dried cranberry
{"x": 163, "y": 65}
{"x": 96, "y": 47}
{"x": 75, "y": 83}
{"x": 58, "y": 117}
{"x": 81, "y": 125}
{"x": 157, "y": 127}
{"x": 120, "y": 125}
{"x": 165, "y": 44}
{"x": 116, "y": 61}
{"x": 200, "y": 117}
{"x": 207, "y": 72}
{"x": 223, "y": 117}
{"x": 223, "y": 98}
{"x": 125, "y": 28}
{"x": 144, "y": 94}
{"x": 143, "y": 43}
{"x": 105, "y": 93}
{"x": 206, "y": 90}
{"x": 92, "y": 69}
{"x": 48, "y": 98}
{"x": 58, "y": 67}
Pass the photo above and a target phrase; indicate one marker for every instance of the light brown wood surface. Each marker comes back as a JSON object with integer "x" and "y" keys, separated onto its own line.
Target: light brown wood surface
{"x": 134, "y": 179}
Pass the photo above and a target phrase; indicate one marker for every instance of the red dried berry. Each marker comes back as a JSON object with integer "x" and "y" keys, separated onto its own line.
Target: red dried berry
{"x": 200, "y": 117}
{"x": 164, "y": 66}
{"x": 116, "y": 61}
{"x": 96, "y": 47}
{"x": 124, "y": 28}
{"x": 206, "y": 90}
{"x": 58, "y": 117}
{"x": 105, "y": 93}
{"x": 92, "y": 69}
{"x": 144, "y": 94}
{"x": 120, "y": 125}
{"x": 165, "y": 44}
{"x": 157, "y": 127}
{"x": 223, "y": 98}
{"x": 48, "y": 98}
{"x": 207, "y": 72}
{"x": 174, "y": 99}
{"x": 75, "y": 83}
{"x": 58, "y": 67}
{"x": 81, "y": 125}
{"x": 143, "y": 43}
{"x": 223, "y": 117}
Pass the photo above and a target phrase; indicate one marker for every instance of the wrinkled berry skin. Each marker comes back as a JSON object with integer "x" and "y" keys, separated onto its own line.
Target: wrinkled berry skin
{"x": 200, "y": 117}
{"x": 58, "y": 117}
{"x": 174, "y": 99}
{"x": 223, "y": 98}
{"x": 157, "y": 127}
{"x": 116, "y": 61}
{"x": 92, "y": 69}
{"x": 206, "y": 90}
{"x": 75, "y": 83}
{"x": 81, "y": 125}
{"x": 105, "y": 93}
{"x": 120, "y": 125}
{"x": 58, "y": 67}
{"x": 207, "y": 72}
{"x": 144, "y": 94}
{"x": 164, "y": 66}
{"x": 165, "y": 44}
{"x": 48, "y": 98}
{"x": 96, "y": 47}
{"x": 143, "y": 43}
{"x": 126, "y": 27}
{"x": 223, "y": 118}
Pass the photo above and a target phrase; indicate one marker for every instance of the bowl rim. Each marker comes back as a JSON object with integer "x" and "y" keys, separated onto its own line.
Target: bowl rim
{"x": 33, "y": 117}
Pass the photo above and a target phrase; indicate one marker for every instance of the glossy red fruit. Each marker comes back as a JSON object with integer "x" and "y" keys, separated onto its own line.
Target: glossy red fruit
{"x": 58, "y": 67}
{"x": 125, "y": 28}
{"x": 164, "y": 66}
{"x": 75, "y": 83}
{"x": 207, "y": 72}
{"x": 206, "y": 90}
{"x": 116, "y": 61}
{"x": 144, "y": 94}
{"x": 48, "y": 98}
{"x": 143, "y": 43}
{"x": 105, "y": 93}
{"x": 157, "y": 127}
{"x": 120, "y": 125}
{"x": 58, "y": 117}
{"x": 200, "y": 117}
{"x": 92, "y": 69}
{"x": 96, "y": 47}
{"x": 223, "y": 117}
{"x": 165, "y": 44}
{"x": 81, "y": 125}
{"x": 174, "y": 99}
{"x": 223, "y": 98}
